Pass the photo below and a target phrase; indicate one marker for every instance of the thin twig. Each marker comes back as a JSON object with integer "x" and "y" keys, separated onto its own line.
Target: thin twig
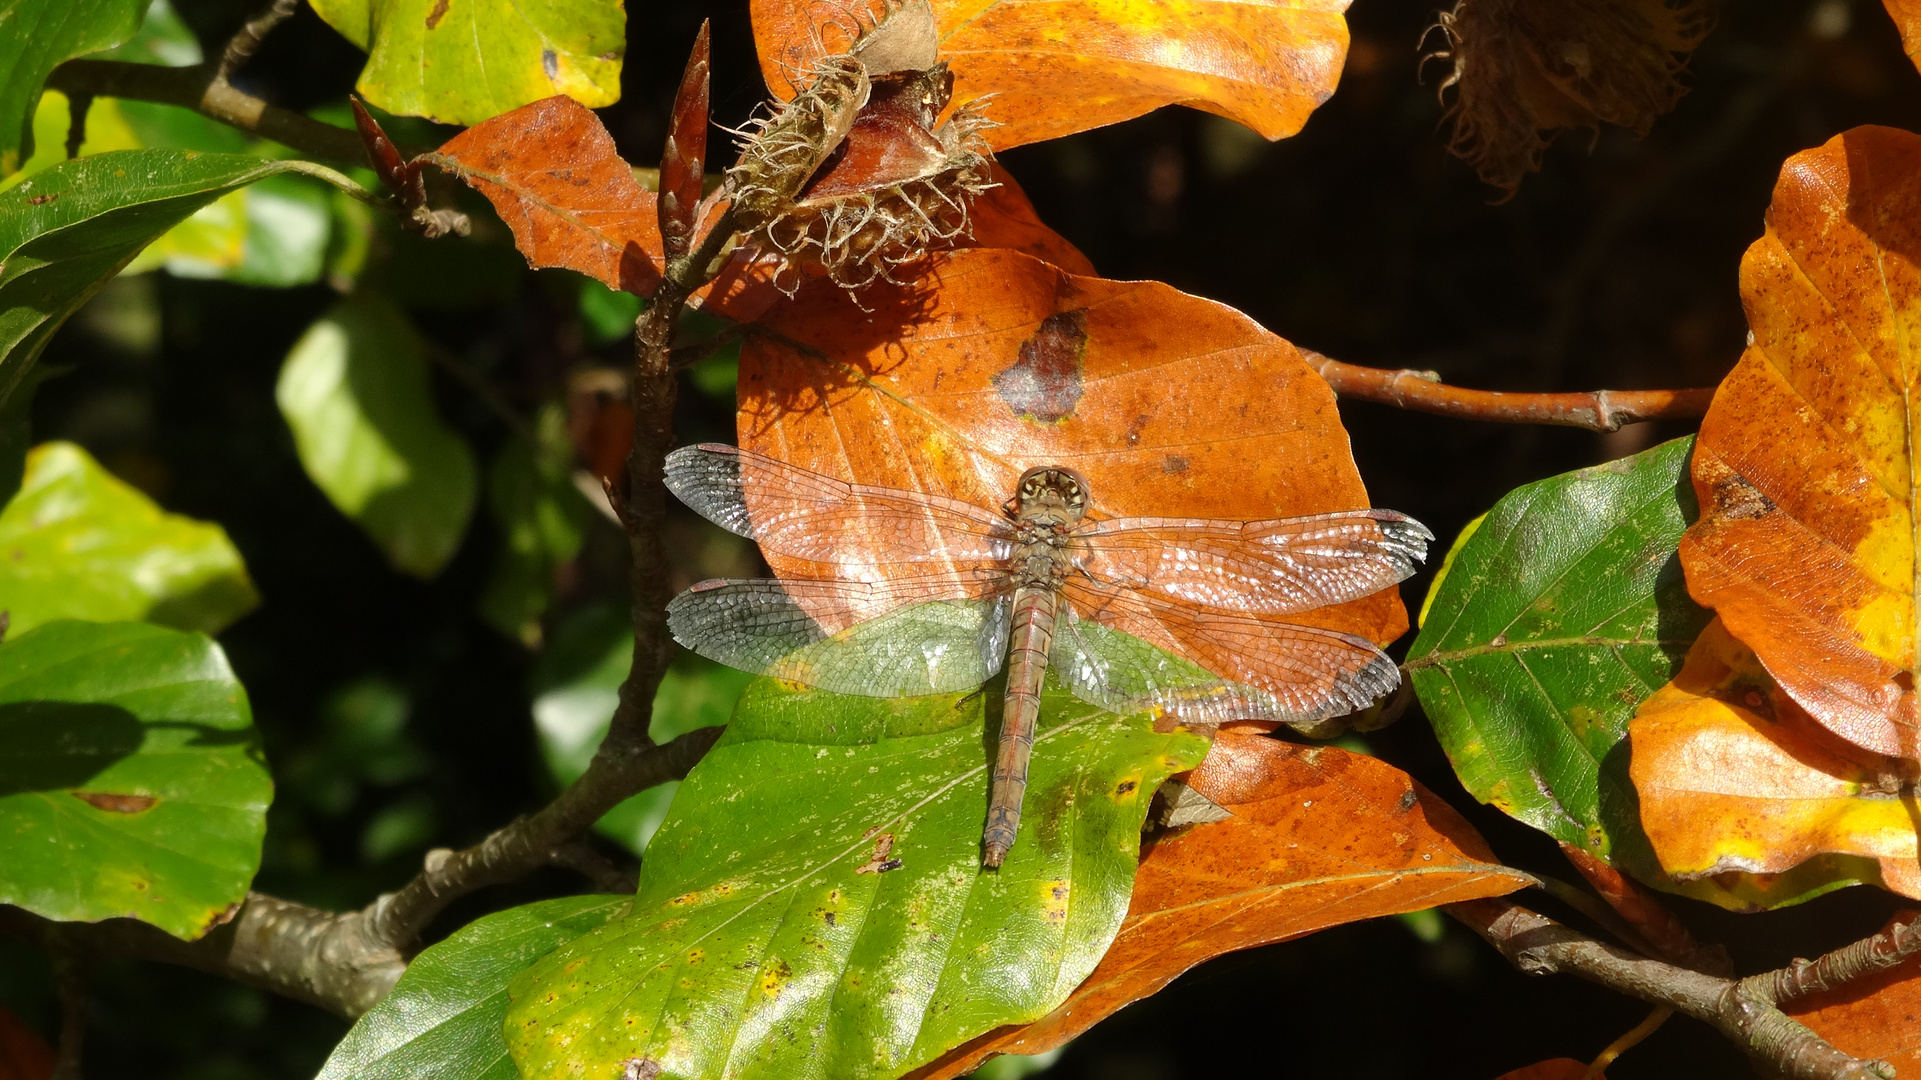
{"x": 1652, "y": 921}
{"x": 196, "y": 88}
{"x": 240, "y": 48}
{"x": 1629, "y": 1041}
{"x": 1423, "y": 391}
{"x": 1537, "y": 945}
{"x": 1895, "y": 944}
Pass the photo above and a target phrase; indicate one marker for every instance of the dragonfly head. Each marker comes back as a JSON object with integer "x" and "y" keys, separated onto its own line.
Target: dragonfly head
{"x": 1049, "y": 495}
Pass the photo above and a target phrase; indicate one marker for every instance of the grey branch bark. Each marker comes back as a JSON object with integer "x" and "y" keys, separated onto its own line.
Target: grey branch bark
{"x": 1537, "y": 945}
{"x": 346, "y": 962}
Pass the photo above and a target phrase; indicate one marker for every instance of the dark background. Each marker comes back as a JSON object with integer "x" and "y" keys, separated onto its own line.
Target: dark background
{"x": 1615, "y": 267}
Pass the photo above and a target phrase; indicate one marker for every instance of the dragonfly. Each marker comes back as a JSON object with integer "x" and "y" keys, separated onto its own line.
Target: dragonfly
{"x": 926, "y": 594}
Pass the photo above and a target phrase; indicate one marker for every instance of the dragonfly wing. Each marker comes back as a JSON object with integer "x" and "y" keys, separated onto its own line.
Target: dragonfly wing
{"x": 793, "y": 511}
{"x": 1226, "y": 666}
{"x": 1264, "y": 567}
{"x": 887, "y": 649}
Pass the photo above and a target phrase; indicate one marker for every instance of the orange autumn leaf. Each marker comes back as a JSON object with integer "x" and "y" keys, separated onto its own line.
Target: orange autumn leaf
{"x": 1734, "y": 780}
{"x": 1552, "y": 1069}
{"x": 1062, "y": 66}
{"x": 24, "y": 1055}
{"x": 554, "y": 177}
{"x": 1318, "y": 837}
{"x": 1806, "y": 544}
{"x": 1878, "y": 1016}
{"x": 1169, "y": 405}
{"x": 1907, "y": 16}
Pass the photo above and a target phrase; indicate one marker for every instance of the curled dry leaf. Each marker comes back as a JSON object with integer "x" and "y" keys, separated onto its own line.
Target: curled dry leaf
{"x": 999, "y": 362}
{"x": 1318, "y": 837}
{"x": 1806, "y": 544}
{"x": 1525, "y": 70}
{"x": 1734, "y": 779}
{"x": 1878, "y": 1016}
{"x": 554, "y": 177}
{"x": 1264, "y": 63}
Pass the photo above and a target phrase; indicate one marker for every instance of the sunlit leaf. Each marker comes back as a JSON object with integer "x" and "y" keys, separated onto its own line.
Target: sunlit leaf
{"x": 576, "y": 687}
{"x": 37, "y": 36}
{"x": 78, "y": 543}
{"x": 462, "y": 62}
{"x": 1555, "y": 615}
{"x": 815, "y": 903}
{"x": 997, "y": 362}
{"x": 542, "y": 519}
{"x": 65, "y": 231}
{"x": 1741, "y": 800}
{"x": 1318, "y": 837}
{"x": 1907, "y": 16}
{"x": 1266, "y": 63}
{"x": 1871, "y": 1017}
{"x": 131, "y": 783}
{"x": 442, "y": 1019}
{"x": 1806, "y": 546}
{"x": 354, "y": 389}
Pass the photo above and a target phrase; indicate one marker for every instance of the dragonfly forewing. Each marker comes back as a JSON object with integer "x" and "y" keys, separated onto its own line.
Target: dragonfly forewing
{"x": 891, "y": 650}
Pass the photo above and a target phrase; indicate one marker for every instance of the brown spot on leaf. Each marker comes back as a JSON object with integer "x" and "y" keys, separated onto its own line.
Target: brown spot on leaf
{"x": 639, "y": 1068}
{"x": 1173, "y": 465}
{"x": 1045, "y": 383}
{"x": 549, "y": 62}
{"x": 1408, "y": 800}
{"x": 1730, "y": 495}
{"x": 879, "y": 863}
{"x": 438, "y": 13}
{"x": 1125, "y": 787}
{"x": 115, "y": 804}
{"x": 42, "y": 200}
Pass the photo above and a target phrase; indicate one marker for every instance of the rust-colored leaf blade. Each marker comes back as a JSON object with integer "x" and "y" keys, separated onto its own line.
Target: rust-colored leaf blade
{"x": 554, "y": 177}
{"x": 1734, "y": 783}
{"x": 1552, "y": 1069}
{"x": 24, "y": 1055}
{"x": 1907, "y": 16}
{"x": 686, "y": 154}
{"x": 1264, "y": 63}
{"x": 1169, "y": 405}
{"x": 1806, "y": 544}
{"x": 1319, "y": 837}
{"x": 1874, "y": 1017}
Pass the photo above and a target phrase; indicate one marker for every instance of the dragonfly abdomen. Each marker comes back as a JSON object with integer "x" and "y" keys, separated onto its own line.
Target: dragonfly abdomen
{"x": 1029, "y": 644}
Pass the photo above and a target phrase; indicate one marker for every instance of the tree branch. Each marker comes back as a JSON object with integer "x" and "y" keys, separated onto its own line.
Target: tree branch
{"x": 240, "y": 48}
{"x": 1537, "y": 945}
{"x": 346, "y": 962}
{"x": 1423, "y": 391}
{"x": 199, "y": 89}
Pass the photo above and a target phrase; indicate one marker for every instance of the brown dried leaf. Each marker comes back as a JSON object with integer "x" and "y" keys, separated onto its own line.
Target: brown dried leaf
{"x": 1318, "y": 837}
{"x": 1526, "y": 70}
{"x": 1907, "y": 16}
{"x": 554, "y": 177}
{"x": 1875, "y": 1017}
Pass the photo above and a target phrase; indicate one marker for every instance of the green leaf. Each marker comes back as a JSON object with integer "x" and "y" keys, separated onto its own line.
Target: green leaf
{"x": 79, "y": 543}
{"x": 37, "y": 36}
{"x": 442, "y": 1019}
{"x": 1557, "y": 614}
{"x": 274, "y": 233}
{"x": 766, "y": 940}
{"x": 542, "y": 520}
{"x": 354, "y": 389}
{"x": 460, "y": 63}
{"x": 576, "y": 686}
{"x": 131, "y": 781}
{"x": 65, "y": 231}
